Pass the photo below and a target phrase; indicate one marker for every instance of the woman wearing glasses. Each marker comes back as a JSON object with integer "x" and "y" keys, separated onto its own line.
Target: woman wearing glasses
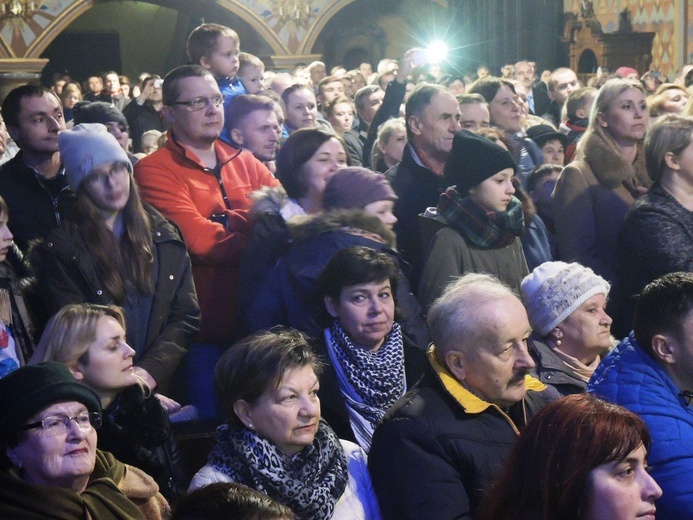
{"x": 90, "y": 340}
{"x": 49, "y": 464}
{"x": 116, "y": 249}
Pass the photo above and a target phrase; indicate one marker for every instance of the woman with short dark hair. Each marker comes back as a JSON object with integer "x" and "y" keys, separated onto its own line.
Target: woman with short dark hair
{"x": 370, "y": 364}
{"x": 274, "y": 439}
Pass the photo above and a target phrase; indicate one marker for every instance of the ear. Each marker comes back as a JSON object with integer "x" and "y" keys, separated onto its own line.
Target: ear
{"x": 204, "y": 62}
{"x": 14, "y": 133}
{"x": 76, "y": 370}
{"x": 331, "y": 306}
{"x": 600, "y": 119}
{"x": 455, "y": 361}
{"x": 581, "y": 113}
{"x": 672, "y": 161}
{"x": 664, "y": 348}
{"x": 168, "y": 114}
{"x": 237, "y": 136}
{"x": 13, "y": 456}
{"x": 242, "y": 410}
{"x": 415, "y": 125}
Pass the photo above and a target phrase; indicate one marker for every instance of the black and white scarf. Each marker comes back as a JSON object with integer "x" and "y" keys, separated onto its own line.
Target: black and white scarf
{"x": 310, "y": 483}
{"x": 377, "y": 378}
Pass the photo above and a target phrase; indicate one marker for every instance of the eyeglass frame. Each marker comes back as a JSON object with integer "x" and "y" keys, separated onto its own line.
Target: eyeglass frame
{"x": 94, "y": 418}
{"x": 202, "y": 101}
{"x": 117, "y": 171}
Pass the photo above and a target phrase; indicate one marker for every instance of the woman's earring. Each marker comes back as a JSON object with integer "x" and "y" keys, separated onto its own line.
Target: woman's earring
{"x": 557, "y": 335}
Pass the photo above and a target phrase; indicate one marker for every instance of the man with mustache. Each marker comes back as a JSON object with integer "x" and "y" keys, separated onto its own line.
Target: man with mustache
{"x": 444, "y": 442}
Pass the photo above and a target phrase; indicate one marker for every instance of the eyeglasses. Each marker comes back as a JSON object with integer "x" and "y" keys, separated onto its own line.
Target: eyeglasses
{"x": 116, "y": 172}
{"x": 59, "y": 424}
{"x": 199, "y": 103}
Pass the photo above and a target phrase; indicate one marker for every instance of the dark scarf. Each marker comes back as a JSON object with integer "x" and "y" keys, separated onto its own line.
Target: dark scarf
{"x": 376, "y": 377}
{"x": 102, "y": 499}
{"x": 484, "y": 229}
{"x": 310, "y": 483}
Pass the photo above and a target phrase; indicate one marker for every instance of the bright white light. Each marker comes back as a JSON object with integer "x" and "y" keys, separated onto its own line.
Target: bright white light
{"x": 437, "y": 51}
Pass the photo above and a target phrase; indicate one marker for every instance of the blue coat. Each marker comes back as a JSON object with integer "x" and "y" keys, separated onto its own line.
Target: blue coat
{"x": 628, "y": 376}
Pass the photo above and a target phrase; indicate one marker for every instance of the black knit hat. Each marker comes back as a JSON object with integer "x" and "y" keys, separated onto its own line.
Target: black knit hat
{"x": 540, "y": 134}
{"x": 473, "y": 159}
{"x": 98, "y": 112}
{"x": 31, "y": 388}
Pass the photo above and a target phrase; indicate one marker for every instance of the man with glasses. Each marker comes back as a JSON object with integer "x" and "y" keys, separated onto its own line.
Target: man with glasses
{"x": 203, "y": 186}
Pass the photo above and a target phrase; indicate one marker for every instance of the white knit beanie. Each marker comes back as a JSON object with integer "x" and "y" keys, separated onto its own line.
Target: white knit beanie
{"x": 555, "y": 289}
{"x": 85, "y": 147}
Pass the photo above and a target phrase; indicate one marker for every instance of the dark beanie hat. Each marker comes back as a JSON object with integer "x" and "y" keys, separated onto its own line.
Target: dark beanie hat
{"x": 473, "y": 159}
{"x": 540, "y": 134}
{"x": 31, "y": 388}
{"x": 98, "y": 112}
{"x": 356, "y": 187}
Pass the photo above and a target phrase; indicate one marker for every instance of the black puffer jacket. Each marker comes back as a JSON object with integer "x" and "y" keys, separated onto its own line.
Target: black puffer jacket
{"x": 432, "y": 455}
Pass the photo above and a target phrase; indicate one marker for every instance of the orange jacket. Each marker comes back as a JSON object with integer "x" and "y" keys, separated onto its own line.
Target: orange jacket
{"x": 175, "y": 182}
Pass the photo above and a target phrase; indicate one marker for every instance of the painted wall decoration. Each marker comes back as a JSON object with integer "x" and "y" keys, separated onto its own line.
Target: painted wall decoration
{"x": 659, "y": 16}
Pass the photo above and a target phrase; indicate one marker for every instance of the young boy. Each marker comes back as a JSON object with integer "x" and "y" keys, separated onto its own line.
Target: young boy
{"x": 578, "y": 108}
{"x": 250, "y": 72}
{"x": 215, "y": 47}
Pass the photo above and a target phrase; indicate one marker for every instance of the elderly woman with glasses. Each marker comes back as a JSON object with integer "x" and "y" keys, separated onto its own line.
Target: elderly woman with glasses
{"x": 116, "y": 249}
{"x": 49, "y": 464}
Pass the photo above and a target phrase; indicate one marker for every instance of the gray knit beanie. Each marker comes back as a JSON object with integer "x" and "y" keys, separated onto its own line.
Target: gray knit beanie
{"x": 85, "y": 147}
{"x": 555, "y": 289}
{"x": 356, "y": 187}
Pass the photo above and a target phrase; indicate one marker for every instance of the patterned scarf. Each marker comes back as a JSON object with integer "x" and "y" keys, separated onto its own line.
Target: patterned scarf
{"x": 376, "y": 378}
{"x": 483, "y": 228}
{"x": 309, "y": 483}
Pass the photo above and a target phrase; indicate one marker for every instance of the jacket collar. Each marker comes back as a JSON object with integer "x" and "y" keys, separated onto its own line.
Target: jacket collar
{"x": 225, "y": 153}
{"x": 467, "y": 400}
{"x": 610, "y": 167}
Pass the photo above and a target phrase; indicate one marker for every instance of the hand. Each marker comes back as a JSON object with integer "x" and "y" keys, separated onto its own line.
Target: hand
{"x": 147, "y": 90}
{"x": 169, "y": 404}
{"x": 406, "y": 66}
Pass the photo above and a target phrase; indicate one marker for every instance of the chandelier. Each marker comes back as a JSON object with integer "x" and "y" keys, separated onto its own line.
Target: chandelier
{"x": 17, "y": 8}
{"x": 297, "y": 11}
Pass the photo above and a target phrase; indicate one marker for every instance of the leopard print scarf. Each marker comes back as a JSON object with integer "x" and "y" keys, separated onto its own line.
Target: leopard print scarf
{"x": 309, "y": 483}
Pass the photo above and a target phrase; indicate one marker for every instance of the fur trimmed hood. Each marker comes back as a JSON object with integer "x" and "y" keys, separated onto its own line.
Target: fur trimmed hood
{"x": 267, "y": 200}
{"x": 352, "y": 221}
{"x": 610, "y": 167}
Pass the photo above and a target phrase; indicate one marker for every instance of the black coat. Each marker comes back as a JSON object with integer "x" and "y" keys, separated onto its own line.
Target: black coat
{"x": 136, "y": 430}
{"x": 332, "y": 407}
{"x": 35, "y": 206}
{"x": 417, "y": 188}
{"x": 431, "y": 459}
{"x": 67, "y": 274}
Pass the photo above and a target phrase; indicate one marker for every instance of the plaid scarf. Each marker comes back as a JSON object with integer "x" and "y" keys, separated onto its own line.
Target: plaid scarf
{"x": 484, "y": 229}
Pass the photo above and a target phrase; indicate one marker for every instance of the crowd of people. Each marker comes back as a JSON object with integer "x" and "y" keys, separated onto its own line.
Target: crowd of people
{"x": 403, "y": 293}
